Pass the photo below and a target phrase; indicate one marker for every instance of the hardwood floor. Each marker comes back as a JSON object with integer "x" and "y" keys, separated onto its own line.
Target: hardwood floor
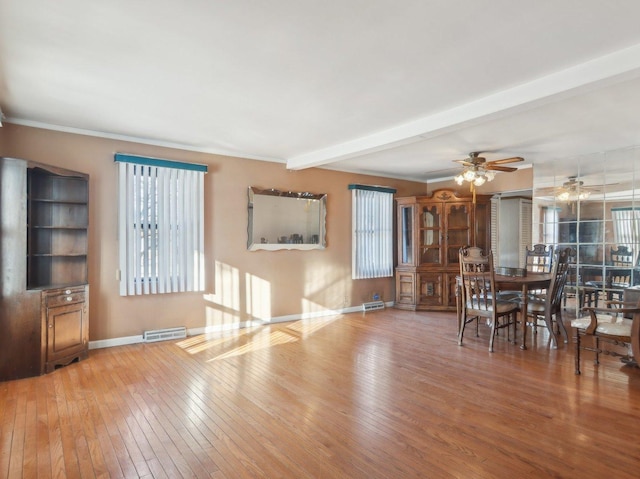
{"x": 386, "y": 395}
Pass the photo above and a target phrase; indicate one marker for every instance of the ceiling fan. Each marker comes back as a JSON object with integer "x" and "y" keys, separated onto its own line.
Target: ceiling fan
{"x": 477, "y": 170}
{"x": 572, "y": 190}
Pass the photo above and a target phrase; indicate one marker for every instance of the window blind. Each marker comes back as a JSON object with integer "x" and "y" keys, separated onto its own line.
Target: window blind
{"x": 161, "y": 225}
{"x": 626, "y": 226}
{"x": 372, "y": 231}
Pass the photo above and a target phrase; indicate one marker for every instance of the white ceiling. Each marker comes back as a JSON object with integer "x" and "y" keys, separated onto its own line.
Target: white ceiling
{"x": 396, "y": 88}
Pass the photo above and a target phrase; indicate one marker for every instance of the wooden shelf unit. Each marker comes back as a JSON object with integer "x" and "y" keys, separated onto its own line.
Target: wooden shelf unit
{"x": 57, "y": 228}
{"x": 44, "y": 308}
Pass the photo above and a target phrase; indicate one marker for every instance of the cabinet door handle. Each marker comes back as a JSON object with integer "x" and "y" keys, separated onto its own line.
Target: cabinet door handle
{"x": 67, "y": 291}
{"x": 51, "y": 325}
{"x": 69, "y": 298}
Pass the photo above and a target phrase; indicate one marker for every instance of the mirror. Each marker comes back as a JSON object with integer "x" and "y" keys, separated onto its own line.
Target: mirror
{"x": 286, "y": 220}
{"x": 591, "y": 204}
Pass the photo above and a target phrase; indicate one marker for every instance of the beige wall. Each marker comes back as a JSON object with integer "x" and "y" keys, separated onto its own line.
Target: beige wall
{"x": 240, "y": 284}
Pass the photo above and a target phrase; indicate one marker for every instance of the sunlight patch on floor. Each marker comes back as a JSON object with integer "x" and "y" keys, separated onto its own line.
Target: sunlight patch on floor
{"x": 255, "y": 338}
{"x": 202, "y": 342}
{"x": 260, "y": 342}
{"x": 307, "y": 327}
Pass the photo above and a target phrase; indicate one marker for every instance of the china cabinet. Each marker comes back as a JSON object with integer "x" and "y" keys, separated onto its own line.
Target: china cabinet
{"x": 431, "y": 231}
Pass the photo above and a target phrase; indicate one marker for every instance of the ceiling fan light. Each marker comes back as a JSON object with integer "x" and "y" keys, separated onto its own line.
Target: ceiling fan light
{"x": 583, "y": 195}
{"x": 564, "y": 196}
{"x": 469, "y": 175}
{"x": 459, "y": 179}
{"x": 490, "y": 175}
{"x": 479, "y": 181}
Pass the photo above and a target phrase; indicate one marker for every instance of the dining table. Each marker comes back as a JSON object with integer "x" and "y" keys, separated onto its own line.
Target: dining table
{"x": 524, "y": 283}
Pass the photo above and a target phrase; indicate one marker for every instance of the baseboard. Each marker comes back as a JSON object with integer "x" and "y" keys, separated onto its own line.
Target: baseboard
{"x": 109, "y": 343}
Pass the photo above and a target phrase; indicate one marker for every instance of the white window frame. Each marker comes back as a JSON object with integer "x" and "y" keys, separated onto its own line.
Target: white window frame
{"x": 372, "y": 231}
{"x": 161, "y": 225}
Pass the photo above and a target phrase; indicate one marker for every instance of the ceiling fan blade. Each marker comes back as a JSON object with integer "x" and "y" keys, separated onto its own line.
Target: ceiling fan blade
{"x": 508, "y": 169}
{"x": 600, "y": 186}
{"x": 464, "y": 162}
{"x": 505, "y": 160}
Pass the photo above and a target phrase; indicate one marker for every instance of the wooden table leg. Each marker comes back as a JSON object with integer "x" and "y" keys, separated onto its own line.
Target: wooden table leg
{"x": 635, "y": 337}
{"x": 458, "y": 306}
{"x": 523, "y": 313}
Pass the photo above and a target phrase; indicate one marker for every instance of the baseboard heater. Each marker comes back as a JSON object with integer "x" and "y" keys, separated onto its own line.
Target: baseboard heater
{"x": 164, "y": 334}
{"x": 373, "y": 306}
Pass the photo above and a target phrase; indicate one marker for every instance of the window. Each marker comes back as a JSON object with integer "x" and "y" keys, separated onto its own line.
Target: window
{"x": 372, "y": 231}
{"x": 161, "y": 225}
{"x": 626, "y": 226}
{"x": 550, "y": 218}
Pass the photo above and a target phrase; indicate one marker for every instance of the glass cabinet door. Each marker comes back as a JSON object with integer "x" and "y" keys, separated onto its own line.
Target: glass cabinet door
{"x": 430, "y": 219}
{"x": 458, "y": 222}
{"x": 405, "y": 236}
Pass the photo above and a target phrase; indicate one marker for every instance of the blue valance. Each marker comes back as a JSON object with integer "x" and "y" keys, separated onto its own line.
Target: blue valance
{"x": 143, "y": 160}
{"x": 381, "y": 189}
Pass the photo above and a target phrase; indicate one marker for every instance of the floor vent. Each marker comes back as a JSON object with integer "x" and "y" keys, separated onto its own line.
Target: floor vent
{"x": 163, "y": 334}
{"x": 373, "y": 306}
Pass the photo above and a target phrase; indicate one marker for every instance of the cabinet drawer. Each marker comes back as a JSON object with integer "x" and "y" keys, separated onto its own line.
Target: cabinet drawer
{"x": 66, "y": 297}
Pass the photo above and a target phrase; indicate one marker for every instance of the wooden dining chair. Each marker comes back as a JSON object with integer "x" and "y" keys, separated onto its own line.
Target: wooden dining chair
{"x": 573, "y": 287}
{"x": 621, "y": 257}
{"x": 610, "y": 332}
{"x": 539, "y": 258}
{"x": 478, "y": 293}
{"x": 548, "y": 308}
{"x": 616, "y": 280}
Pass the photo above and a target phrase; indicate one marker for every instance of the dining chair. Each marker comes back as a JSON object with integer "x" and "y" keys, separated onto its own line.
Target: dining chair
{"x": 539, "y": 258}
{"x": 622, "y": 257}
{"x": 573, "y": 287}
{"x": 610, "y": 331}
{"x": 548, "y": 307}
{"x": 616, "y": 280}
{"x": 478, "y": 293}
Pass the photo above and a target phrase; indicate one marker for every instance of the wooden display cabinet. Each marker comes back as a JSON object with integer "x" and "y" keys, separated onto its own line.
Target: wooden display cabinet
{"x": 431, "y": 231}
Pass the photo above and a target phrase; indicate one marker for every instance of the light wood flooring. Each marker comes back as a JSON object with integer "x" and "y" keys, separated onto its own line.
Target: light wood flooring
{"x": 386, "y": 395}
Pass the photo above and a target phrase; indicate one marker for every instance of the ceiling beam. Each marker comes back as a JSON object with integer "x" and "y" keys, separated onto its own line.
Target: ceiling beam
{"x": 588, "y": 76}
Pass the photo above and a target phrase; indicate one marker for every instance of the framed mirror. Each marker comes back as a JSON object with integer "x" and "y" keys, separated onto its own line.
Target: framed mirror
{"x": 286, "y": 220}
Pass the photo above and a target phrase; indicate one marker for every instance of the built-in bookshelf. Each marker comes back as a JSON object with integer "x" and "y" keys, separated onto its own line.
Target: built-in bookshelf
{"x": 58, "y": 220}
{"x": 44, "y": 308}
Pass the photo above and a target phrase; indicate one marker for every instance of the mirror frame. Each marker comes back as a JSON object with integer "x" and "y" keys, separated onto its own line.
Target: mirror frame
{"x": 255, "y": 194}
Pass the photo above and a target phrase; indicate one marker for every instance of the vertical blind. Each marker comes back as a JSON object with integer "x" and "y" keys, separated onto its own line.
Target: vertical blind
{"x": 372, "y": 231}
{"x": 161, "y": 225}
{"x": 626, "y": 226}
